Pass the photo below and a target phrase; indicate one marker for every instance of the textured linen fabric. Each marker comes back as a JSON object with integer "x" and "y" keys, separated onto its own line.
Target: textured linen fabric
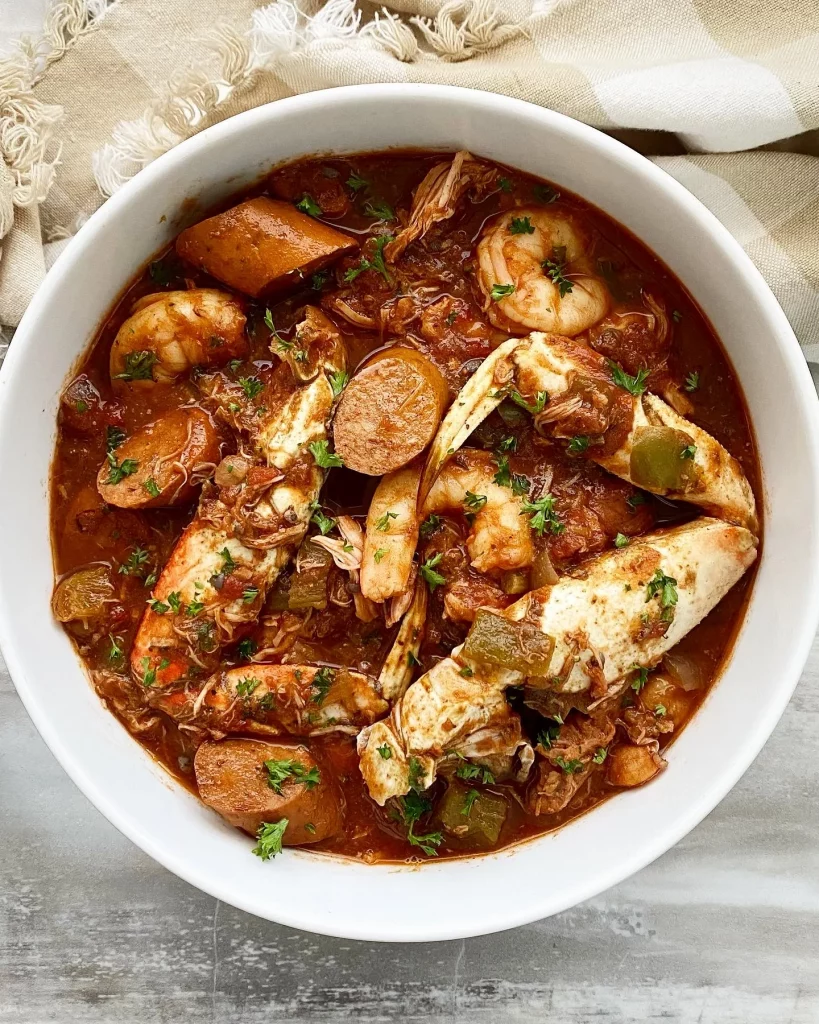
{"x": 112, "y": 85}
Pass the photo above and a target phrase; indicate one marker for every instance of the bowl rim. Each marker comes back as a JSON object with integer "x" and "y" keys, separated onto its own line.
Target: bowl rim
{"x": 803, "y": 396}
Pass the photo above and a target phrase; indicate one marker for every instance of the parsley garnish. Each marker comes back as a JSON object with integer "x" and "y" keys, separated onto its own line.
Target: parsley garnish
{"x": 469, "y": 800}
{"x": 569, "y": 767}
{"x": 578, "y": 444}
{"x": 151, "y": 487}
{"x": 138, "y": 366}
{"x": 379, "y": 209}
{"x": 374, "y": 262}
{"x": 115, "y": 652}
{"x": 498, "y": 291}
{"x": 634, "y": 385}
{"x": 692, "y": 381}
{"x": 356, "y": 182}
{"x": 382, "y": 524}
{"x": 433, "y": 579}
{"x": 135, "y": 562}
{"x": 660, "y": 710}
{"x": 430, "y": 525}
{"x": 503, "y": 477}
{"x": 472, "y": 772}
{"x": 600, "y": 755}
{"x": 158, "y": 607}
{"x": 543, "y": 515}
{"x": 474, "y": 502}
{"x": 641, "y": 679}
{"x": 245, "y": 687}
{"x": 148, "y": 673}
{"x": 379, "y": 555}
{"x": 676, "y": 315}
{"x": 322, "y": 681}
{"x": 385, "y": 750}
{"x": 338, "y": 382}
{"x": 547, "y": 736}
{"x": 505, "y": 185}
{"x": 251, "y": 386}
{"x": 279, "y": 772}
{"x": 531, "y": 407}
{"x": 319, "y": 519}
{"x": 466, "y": 672}
{"x": 114, "y": 436}
{"x": 688, "y": 452}
{"x": 508, "y": 444}
{"x": 269, "y": 838}
{"x": 118, "y": 471}
{"x": 320, "y": 450}
{"x": 621, "y": 541}
{"x": 664, "y": 587}
{"x": 521, "y": 226}
{"x": 246, "y": 648}
{"x": 249, "y": 595}
{"x": 319, "y": 280}
{"x": 413, "y": 806}
{"x": 633, "y": 500}
{"x": 309, "y": 206}
{"x": 555, "y": 270}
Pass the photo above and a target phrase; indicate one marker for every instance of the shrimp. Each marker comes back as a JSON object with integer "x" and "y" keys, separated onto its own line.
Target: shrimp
{"x": 275, "y": 700}
{"x": 625, "y": 610}
{"x": 500, "y": 538}
{"x": 392, "y": 535}
{"x": 539, "y": 279}
{"x": 637, "y": 437}
{"x": 240, "y": 539}
{"x": 168, "y": 333}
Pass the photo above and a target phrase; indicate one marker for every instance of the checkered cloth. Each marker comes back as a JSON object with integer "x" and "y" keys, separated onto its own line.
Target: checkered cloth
{"x": 111, "y": 86}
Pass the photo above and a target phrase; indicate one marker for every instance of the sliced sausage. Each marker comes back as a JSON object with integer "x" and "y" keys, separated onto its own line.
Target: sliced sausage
{"x": 233, "y": 780}
{"x": 389, "y": 412}
{"x": 162, "y": 463}
{"x": 262, "y": 245}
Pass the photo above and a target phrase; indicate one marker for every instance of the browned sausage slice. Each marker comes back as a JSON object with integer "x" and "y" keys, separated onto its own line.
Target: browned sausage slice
{"x": 162, "y": 463}
{"x": 233, "y": 779}
{"x": 262, "y": 245}
{"x": 389, "y": 412}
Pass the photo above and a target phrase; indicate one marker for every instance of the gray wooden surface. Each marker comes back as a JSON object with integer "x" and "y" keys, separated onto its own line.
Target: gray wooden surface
{"x": 724, "y": 928}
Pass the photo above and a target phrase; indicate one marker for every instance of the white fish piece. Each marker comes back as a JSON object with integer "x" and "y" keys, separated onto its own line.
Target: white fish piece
{"x": 438, "y": 715}
{"x": 202, "y": 608}
{"x": 499, "y": 539}
{"x": 608, "y": 617}
{"x": 276, "y": 700}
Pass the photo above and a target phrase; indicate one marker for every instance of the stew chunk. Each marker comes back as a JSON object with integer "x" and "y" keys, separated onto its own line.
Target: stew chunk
{"x": 262, "y": 245}
{"x": 162, "y": 463}
{"x": 389, "y": 412}
{"x": 250, "y": 782}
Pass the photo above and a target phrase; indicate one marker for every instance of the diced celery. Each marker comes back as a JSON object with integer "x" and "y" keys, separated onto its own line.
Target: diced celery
{"x": 658, "y": 460}
{"x": 474, "y": 817}
{"x": 516, "y": 645}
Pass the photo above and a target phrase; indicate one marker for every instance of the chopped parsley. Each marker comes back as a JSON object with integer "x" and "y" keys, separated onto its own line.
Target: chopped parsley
{"x": 115, "y": 651}
{"x": 543, "y": 515}
{"x": 319, "y": 519}
{"x": 531, "y": 407}
{"x": 660, "y": 710}
{"x": 578, "y": 444}
{"x": 547, "y": 736}
{"x": 379, "y": 209}
{"x": 249, "y": 595}
{"x": 319, "y": 280}
{"x": 555, "y": 270}
{"x": 278, "y": 772}
{"x": 81, "y": 406}
{"x": 469, "y": 801}
{"x": 309, "y": 206}
{"x": 466, "y": 672}
{"x": 474, "y": 502}
{"x": 320, "y": 450}
{"x": 571, "y": 767}
{"x": 600, "y": 755}
{"x": 134, "y": 565}
{"x": 499, "y": 291}
{"x": 174, "y": 600}
{"x": 503, "y": 477}
{"x": 472, "y": 772}
{"x": 638, "y": 498}
{"x": 356, "y": 182}
{"x": 665, "y": 588}
{"x": 382, "y": 524}
{"x": 385, "y": 750}
{"x": 245, "y": 687}
{"x": 251, "y": 386}
{"x": 430, "y": 525}
{"x": 322, "y": 681}
{"x": 378, "y": 555}
{"x": 508, "y": 444}
{"x": 413, "y": 807}
{"x": 118, "y": 471}
{"x": 138, "y": 366}
{"x": 151, "y": 487}
{"x": 194, "y": 608}
{"x": 692, "y": 381}
{"x": 640, "y": 677}
{"x": 148, "y": 672}
{"x": 688, "y": 452}
{"x": 114, "y": 436}
{"x": 246, "y": 648}
{"x": 434, "y": 579}
{"x": 634, "y": 385}
{"x": 676, "y": 315}
{"x": 505, "y": 185}
{"x": 621, "y": 541}
{"x": 521, "y": 226}
{"x": 373, "y": 262}
{"x": 158, "y": 607}
{"x": 269, "y": 838}
{"x": 338, "y": 381}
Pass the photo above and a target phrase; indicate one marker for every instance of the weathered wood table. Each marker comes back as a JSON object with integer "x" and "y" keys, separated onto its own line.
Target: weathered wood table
{"x": 724, "y": 929}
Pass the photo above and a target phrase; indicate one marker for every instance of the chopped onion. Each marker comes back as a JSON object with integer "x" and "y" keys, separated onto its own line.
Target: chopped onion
{"x": 684, "y": 670}
{"x": 543, "y": 572}
{"x": 515, "y": 582}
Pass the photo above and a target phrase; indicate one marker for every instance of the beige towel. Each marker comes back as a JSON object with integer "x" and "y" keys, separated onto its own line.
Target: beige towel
{"x": 111, "y": 86}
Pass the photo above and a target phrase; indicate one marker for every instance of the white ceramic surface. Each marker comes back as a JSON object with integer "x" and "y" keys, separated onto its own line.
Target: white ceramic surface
{"x": 446, "y": 899}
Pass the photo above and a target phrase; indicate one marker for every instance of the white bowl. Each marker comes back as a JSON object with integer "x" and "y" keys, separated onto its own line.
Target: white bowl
{"x": 449, "y": 899}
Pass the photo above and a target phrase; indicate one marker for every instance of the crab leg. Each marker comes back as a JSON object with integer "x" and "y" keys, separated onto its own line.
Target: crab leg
{"x": 396, "y": 671}
{"x": 620, "y": 611}
{"x": 217, "y": 577}
{"x": 275, "y": 700}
